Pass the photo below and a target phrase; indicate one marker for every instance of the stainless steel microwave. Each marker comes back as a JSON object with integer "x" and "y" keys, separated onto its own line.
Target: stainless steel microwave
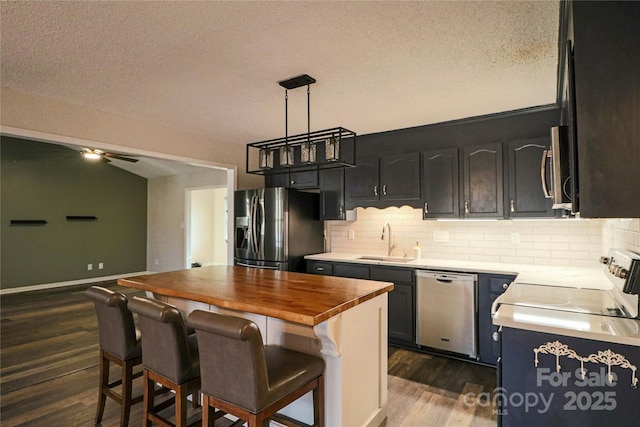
{"x": 557, "y": 171}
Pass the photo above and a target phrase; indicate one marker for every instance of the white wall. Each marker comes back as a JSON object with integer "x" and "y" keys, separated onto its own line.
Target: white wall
{"x": 208, "y": 245}
{"x": 166, "y": 236}
{"x": 110, "y": 131}
{"x": 542, "y": 242}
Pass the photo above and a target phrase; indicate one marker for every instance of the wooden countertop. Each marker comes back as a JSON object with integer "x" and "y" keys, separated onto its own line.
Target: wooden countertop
{"x": 307, "y": 299}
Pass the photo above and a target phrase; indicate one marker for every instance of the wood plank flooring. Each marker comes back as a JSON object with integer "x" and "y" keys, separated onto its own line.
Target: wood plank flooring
{"x": 49, "y": 371}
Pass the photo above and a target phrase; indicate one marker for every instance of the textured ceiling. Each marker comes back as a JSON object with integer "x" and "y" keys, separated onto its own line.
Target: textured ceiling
{"x": 212, "y": 68}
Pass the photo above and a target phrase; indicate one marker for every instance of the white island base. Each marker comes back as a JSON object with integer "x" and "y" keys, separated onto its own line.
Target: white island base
{"x": 354, "y": 347}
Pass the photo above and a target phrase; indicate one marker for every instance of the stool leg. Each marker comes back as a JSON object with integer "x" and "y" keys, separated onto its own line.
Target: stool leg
{"x": 103, "y": 382}
{"x": 206, "y": 414}
{"x": 127, "y": 386}
{"x": 318, "y": 403}
{"x": 148, "y": 397}
{"x": 181, "y": 406}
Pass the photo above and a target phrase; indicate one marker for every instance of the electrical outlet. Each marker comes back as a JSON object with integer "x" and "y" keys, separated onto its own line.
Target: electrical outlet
{"x": 352, "y": 234}
{"x": 100, "y": 266}
{"x": 515, "y": 238}
{"x": 89, "y": 267}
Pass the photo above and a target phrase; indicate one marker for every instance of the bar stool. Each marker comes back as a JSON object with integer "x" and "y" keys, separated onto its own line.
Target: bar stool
{"x": 251, "y": 381}
{"x": 118, "y": 344}
{"x": 169, "y": 357}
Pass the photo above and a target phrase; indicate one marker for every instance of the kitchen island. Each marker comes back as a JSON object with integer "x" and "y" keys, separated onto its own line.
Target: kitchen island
{"x": 342, "y": 320}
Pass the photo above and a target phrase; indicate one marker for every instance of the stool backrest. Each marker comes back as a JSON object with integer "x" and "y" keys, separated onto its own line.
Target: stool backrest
{"x": 165, "y": 346}
{"x": 233, "y": 367}
{"x": 116, "y": 327}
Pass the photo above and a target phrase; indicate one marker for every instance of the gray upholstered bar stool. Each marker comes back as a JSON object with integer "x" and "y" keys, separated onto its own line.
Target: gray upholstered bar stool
{"x": 118, "y": 344}
{"x": 251, "y": 381}
{"x": 169, "y": 357}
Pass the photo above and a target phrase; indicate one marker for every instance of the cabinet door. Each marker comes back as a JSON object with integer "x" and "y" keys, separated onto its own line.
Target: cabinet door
{"x": 440, "y": 183}
{"x": 483, "y": 181}
{"x": 526, "y": 198}
{"x": 303, "y": 179}
{"x": 490, "y": 287}
{"x": 400, "y": 313}
{"x": 351, "y": 270}
{"x": 400, "y": 177}
{"x": 276, "y": 180}
{"x": 607, "y": 78}
{"x": 401, "y": 302}
{"x": 361, "y": 182}
{"x": 319, "y": 267}
{"x": 332, "y": 194}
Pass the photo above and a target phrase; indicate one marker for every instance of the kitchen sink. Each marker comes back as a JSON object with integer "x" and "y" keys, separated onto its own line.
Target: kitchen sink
{"x": 386, "y": 258}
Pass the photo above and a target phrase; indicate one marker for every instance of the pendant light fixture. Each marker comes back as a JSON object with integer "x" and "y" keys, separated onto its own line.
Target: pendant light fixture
{"x": 300, "y": 152}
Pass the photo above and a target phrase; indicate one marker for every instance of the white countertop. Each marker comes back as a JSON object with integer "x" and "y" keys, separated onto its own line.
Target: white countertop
{"x": 592, "y": 278}
{"x": 601, "y": 328}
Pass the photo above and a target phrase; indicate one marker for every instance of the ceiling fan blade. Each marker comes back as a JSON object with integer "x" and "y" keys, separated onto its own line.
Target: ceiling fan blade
{"x": 120, "y": 157}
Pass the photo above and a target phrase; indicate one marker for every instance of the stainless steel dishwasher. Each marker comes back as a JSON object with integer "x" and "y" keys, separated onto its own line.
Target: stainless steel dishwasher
{"x": 446, "y": 307}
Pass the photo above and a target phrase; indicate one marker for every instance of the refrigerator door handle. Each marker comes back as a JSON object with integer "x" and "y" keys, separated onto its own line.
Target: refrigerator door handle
{"x": 260, "y": 225}
{"x": 254, "y": 228}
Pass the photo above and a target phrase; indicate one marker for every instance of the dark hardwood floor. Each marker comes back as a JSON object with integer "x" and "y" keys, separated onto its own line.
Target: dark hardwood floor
{"x": 49, "y": 371}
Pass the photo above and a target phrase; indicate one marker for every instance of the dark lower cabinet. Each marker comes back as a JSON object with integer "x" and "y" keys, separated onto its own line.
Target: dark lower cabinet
{"x": 490, "y": 287}
{"x": 483, "y": 181}
{"x": 401, "y": 300}
{"x": 440, "y": 184}
{"x": 525, "y": 195}
{"x": 553, "y": 392}
{"x": 401, "y": 311}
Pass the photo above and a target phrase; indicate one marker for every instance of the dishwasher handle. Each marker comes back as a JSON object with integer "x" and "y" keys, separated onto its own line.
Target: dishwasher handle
{"x": 446, "y": 277}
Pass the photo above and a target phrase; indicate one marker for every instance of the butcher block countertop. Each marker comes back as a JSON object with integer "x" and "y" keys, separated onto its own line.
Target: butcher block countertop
{"x": 307, "y": 299}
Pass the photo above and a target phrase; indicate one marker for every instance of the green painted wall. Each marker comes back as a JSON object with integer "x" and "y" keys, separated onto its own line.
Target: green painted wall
{"x": 45, "y": 181}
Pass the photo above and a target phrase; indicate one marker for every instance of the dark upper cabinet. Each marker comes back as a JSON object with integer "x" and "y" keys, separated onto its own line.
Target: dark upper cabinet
{"x": 386, "y": 178}
{"x": 332, "y": 194}
{"x": 294, "y": 179}
{"x": 276, "y": 180}
{"x": 363, "y": 180}
{"x": 525, "y": 197}
{"x": 483, "y": 181}
{"x": 400, "y": 177}
{"x": 440, "y": 184}
{"x": 607, "y": 100}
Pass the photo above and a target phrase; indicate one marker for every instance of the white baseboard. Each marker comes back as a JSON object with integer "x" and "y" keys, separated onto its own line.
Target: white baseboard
{"x": 67, "y": 283}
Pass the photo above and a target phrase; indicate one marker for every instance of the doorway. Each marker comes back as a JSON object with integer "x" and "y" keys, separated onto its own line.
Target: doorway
{"x": 206, "y": 227}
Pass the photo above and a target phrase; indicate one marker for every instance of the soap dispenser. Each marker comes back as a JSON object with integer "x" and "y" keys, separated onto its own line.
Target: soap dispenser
{"x": 418, "y": 251}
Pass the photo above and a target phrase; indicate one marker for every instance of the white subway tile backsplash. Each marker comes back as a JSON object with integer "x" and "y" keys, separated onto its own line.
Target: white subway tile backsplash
{"x": 542, "y": 242}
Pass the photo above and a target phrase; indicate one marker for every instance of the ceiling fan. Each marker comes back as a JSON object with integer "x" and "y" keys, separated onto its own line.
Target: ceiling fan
{"x": 92, "y": 154}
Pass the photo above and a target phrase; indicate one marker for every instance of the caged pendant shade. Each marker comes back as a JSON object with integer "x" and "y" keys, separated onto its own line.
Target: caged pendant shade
{"x": 324, "y": 149}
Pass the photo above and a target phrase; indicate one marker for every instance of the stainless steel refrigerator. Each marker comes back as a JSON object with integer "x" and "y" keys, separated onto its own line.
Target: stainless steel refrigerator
{"x": 276, "y": 227}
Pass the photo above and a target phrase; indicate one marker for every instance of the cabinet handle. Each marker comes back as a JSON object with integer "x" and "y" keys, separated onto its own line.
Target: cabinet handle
{"x": 319, "y": 268}
{"x": 505, "y": 285}
{"x": 513, "y": 206}
{"x": 341, "y": 210}
{"x": 426, "y": 208}
{"x": 384, "y": 189}
{"x": 495, "y": 336}
{"x": 292, "y": 182}
{"x": 466, "y": 207}
{"x": 375, "y": 190}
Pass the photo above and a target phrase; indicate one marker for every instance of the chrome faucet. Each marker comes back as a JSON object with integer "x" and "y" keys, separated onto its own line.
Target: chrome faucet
{"x": 390, "y": 245}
